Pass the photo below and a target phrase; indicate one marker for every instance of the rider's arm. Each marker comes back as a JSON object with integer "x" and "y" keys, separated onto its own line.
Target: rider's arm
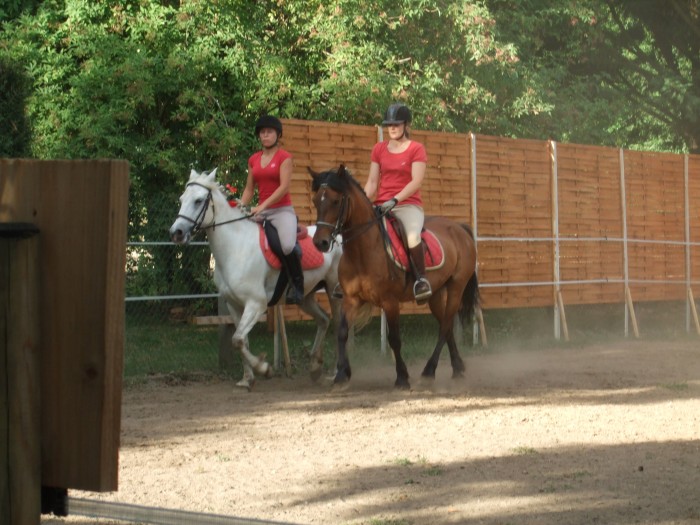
{"x": 249, "y": 189}
{"x": 372, "y": 181}
{"x": 417, "y": 176}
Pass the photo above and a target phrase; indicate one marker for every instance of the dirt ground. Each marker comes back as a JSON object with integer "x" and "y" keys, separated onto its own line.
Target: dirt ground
{"x": 601, "y": 434}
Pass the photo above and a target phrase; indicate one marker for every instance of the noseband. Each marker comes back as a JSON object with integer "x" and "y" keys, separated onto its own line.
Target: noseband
{"x": 199, "y": 219}
{"x": 336, "y": 229}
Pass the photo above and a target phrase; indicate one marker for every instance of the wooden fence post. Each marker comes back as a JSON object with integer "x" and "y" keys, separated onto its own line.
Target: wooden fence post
{"x": 20, "y": 437}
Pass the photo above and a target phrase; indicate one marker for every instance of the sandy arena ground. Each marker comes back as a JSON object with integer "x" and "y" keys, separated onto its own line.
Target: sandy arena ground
{"x": 602, "y": 434}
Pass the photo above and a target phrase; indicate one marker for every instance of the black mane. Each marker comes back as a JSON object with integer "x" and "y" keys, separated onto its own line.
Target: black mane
{"x": 335, "y": 181}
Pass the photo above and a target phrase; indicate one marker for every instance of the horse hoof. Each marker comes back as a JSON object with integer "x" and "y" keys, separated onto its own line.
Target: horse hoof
{"x": 263, "y": 368}
{"x": 402, "y": 385}
{"x": 458, "y": 374}
{"x": 340, "y": 386}
{"x": 248, "y": 384}
{"x": 427, "y": 382}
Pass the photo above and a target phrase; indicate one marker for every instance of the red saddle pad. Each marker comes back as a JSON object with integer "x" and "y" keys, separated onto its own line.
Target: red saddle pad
{"x": 310, "y": 256}
{"x": 434, "y": 255}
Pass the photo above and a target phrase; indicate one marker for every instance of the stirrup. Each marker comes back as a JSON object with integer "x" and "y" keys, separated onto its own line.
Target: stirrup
{"x": 422, "y": 291}
{"x": 337, "y": 292}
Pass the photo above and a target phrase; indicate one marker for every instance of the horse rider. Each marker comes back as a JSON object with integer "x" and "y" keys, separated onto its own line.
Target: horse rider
{"x": 396, "y": 174}
{"x": 270, "y": 170}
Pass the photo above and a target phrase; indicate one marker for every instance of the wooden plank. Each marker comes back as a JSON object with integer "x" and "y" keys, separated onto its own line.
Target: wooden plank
{"x": 211, "y": 320}
{"x": 20, "y": 414}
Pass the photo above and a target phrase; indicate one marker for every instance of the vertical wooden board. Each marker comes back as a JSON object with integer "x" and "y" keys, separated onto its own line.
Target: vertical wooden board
{"x": 87, "y": 212}
{"x": 80, "y": 208}
{"x": 5, "y": 452}
{"x": 114, "y": 319}
{"x": 20, "y": 447}
{"x": 24, "y": 387}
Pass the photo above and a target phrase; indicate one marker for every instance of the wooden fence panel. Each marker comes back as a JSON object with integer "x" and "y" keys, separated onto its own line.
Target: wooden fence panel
{"x": 655, "y": 189}
{"x": 590, "y": 208}
{"x": 515, "y": 223}
{"x": 80, "y": 208}
{"x": 514, "y": 203}
{"x": 694, "y": 217}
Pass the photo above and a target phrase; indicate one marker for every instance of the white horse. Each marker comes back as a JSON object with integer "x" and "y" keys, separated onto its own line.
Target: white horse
{"x": 242, "y": 275}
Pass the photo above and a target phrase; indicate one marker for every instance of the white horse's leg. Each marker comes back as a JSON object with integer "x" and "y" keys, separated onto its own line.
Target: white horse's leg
{"x": 311, "y": 307}
{"x": 251, "y": 363}
{"x": 248, "y": 379}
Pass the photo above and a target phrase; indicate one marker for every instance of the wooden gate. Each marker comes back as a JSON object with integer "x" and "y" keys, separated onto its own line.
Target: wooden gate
{"x": 80, "y": 211}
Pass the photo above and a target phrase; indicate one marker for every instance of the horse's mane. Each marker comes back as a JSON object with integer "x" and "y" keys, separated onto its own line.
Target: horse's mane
{"x": 213, "y": 185}
{"x": 338, "y": 183}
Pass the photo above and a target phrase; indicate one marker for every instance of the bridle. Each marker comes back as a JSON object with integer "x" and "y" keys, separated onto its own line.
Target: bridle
{"x": 337, "y": 228}
{"x": 199, "y": 219}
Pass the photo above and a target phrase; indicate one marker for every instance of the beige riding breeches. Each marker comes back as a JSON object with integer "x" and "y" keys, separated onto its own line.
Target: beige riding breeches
{"x": 412, "y": 218}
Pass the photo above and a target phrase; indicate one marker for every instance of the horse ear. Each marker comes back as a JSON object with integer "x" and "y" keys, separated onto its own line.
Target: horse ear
{"x": 314, "y": 174}
{"x": 212, "y": 174}
{"x": 342, "y": 171}
{"x": 193, "y": 174}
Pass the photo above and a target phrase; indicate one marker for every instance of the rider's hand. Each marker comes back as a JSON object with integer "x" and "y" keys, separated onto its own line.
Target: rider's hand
{"x": 245, "y": 208}
{"x": 388, "y": 205}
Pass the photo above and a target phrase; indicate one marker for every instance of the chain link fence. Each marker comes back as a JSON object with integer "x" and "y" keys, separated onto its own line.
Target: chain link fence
{"x": 166, "y": 285}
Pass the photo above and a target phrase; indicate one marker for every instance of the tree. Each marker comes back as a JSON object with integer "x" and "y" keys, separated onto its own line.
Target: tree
{"x": 651, "y": 54}
{"x": 618, "y": 73}
{"x": 14, "y": 90}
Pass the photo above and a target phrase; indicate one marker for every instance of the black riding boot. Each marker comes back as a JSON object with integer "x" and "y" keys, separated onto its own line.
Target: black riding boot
{"x": 421, "y": 288}
{"x": 292, "y": 264}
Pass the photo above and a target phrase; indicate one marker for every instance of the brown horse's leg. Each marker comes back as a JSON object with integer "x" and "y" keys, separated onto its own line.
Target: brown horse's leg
{"x": 394, "y": 337}
{"x": 343, "y": 371}
{"x": 431, "y": 365}
{"x": 458, "y": 367}
{"x": 444, "y": 311}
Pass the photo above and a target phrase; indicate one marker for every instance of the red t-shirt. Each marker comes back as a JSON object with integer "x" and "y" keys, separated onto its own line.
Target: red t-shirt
{"x": 395, "y": 170}
{"x": 267, "y": 179}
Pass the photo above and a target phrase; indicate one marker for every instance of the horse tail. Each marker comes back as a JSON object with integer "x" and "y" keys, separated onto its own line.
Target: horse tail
{"x": 471, "y": 298}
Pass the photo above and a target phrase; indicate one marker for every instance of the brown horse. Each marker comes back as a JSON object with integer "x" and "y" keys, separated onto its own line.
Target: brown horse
{"x": 368, "y": 276}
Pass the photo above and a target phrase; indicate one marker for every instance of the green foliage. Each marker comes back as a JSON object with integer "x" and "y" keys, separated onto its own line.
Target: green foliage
{"x": 173, "y": 85}
{"x": 14, "y": 89}
{"x": 617, "y": 73}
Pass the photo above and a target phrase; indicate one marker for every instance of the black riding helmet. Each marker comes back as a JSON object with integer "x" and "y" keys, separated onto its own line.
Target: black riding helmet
{"x": 268, "y": 121}
{"x": 397, "y": 114}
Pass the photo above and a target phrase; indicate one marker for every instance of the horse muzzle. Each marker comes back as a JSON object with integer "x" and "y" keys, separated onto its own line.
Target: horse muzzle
{"x": 178, "y": 236}
{"x": 322, "y": 244}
